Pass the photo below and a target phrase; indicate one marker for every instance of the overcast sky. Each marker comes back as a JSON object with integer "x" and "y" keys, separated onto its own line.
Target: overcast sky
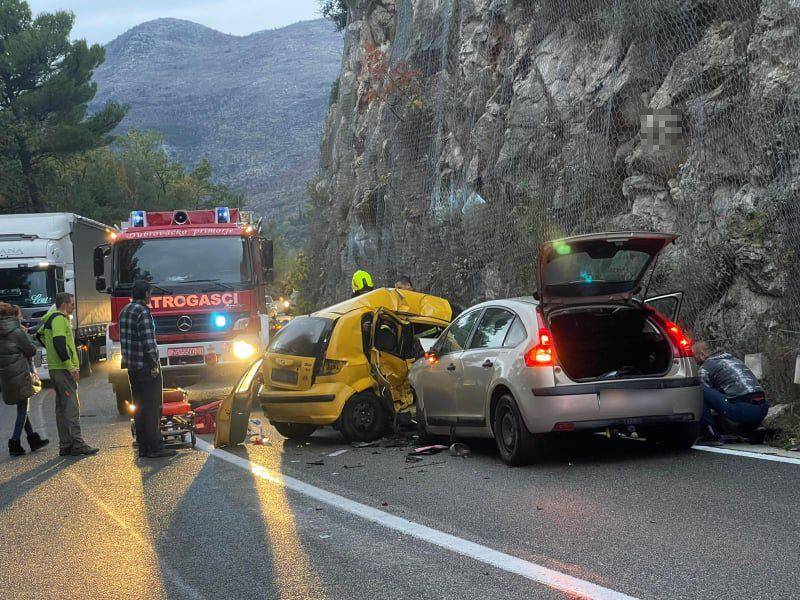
{"x": 100, "y": 21}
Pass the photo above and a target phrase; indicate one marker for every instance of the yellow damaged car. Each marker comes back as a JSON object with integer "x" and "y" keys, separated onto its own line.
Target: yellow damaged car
{"x": 347, "y": 365}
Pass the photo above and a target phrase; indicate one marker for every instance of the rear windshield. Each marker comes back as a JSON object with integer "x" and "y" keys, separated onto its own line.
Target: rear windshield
{"x": 303, "y": 336}
{"x": 599, "y": 268}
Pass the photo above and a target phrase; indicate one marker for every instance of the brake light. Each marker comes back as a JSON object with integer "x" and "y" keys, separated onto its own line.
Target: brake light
{"x": 541, "y": 355}
{"x": 682, "y": 343}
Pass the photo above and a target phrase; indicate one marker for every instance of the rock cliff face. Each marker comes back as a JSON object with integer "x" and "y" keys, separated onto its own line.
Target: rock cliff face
{"x": 465, "y": 132}
{"x": 253, "y": 105}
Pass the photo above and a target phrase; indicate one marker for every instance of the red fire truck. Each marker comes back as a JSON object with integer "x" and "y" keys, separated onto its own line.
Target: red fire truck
{"x": 209, "y": 270}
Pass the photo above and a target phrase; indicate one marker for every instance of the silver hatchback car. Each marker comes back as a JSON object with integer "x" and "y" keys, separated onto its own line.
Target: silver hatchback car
{"x": 582, "y": 355}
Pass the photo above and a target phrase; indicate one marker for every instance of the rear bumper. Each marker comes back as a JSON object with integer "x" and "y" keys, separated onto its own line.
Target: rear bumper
{"x": 613, "y": 404}
{"x": 322, "y": 404}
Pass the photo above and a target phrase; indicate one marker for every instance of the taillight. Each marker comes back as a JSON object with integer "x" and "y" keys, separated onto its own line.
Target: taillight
{"x": 542, "y": 354}
{"x": 683, "y": 345}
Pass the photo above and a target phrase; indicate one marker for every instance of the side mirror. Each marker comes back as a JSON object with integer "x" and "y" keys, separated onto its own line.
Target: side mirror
{"x": 99, "y": 261}
{"x": 100, "y": 284}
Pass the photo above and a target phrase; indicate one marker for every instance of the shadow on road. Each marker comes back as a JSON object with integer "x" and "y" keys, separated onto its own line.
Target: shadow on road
{"x": 25, "y": 482}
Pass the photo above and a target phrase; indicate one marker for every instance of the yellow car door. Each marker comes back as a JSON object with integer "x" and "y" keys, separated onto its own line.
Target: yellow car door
{"x": 394, "y": 349}
{"x": 233, "y": 415}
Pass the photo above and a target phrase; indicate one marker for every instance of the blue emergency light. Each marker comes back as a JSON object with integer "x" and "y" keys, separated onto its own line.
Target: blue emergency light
{"x": 223, "y": 214}
{"x": 220, "y": 320}
{"x": 138, "y": 218}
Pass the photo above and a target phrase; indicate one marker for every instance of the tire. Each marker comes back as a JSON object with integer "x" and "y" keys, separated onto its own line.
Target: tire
{"x": 294, "y": 431}
{"x": 123, "y": 396}
{"x": 517, "y": 445}
{"x": 681, "y": 436}
{"x": 364, "y": 418}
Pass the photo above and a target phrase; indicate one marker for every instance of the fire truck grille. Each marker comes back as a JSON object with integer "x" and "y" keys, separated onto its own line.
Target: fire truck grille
{"x": 197, "y": 323}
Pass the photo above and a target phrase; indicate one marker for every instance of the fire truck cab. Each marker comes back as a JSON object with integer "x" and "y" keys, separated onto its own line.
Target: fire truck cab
{"x": 209, "y": 270}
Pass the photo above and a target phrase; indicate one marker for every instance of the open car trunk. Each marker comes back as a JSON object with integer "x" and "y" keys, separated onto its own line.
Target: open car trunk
{"x": 609, "y": 342}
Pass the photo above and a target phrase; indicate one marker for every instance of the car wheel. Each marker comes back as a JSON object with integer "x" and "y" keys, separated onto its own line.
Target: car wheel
{"x": 364, "y": 418}
{"x": 674, "y": 437}
{"x": 294, "y": 431}
{"x": 516, "y": 444}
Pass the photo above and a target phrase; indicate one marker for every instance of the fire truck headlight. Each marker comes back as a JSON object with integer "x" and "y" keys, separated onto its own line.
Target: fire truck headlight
{"x": 243, "y": 350}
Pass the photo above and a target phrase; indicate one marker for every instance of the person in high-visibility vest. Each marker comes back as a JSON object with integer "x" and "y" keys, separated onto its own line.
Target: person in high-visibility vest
{"x": 362, "y": 283}
{"x": 62, "y": 361}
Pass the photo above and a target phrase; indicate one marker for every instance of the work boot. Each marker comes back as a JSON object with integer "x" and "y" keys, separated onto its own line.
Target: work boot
{"x": 15, "y": 448}
{"x": 709, "y": 437}
{"x": 64, "y": 451}
{"x": 83, "y": 451}
{"x": 35, "y": 441}
{"x": 163, "y": 453}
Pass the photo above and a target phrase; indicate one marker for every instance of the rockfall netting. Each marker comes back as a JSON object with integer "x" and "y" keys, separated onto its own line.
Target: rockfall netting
{"x": 466, "y": 132}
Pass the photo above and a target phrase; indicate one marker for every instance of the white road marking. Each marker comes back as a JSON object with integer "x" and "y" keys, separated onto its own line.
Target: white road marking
{"x": 337, "y": 453}
{"x": 506, "y": 562}
{"x": 756, "y": 455}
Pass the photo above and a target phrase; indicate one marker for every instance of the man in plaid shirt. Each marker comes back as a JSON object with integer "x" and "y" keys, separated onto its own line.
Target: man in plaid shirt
{"x": 140, "y": 357}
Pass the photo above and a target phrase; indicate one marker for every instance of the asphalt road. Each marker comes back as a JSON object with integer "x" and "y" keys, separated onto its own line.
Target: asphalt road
{"x": 620, "y": 516}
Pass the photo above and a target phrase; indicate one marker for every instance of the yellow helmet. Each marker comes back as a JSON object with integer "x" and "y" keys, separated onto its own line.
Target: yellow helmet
{"x": 361, "y": 280}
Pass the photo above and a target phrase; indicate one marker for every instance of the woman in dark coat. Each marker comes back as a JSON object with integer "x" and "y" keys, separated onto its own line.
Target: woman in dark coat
{"x": 16, "y": 381}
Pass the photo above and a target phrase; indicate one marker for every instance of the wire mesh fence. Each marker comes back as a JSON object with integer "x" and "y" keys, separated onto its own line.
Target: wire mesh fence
{"x": 467, "y": 132}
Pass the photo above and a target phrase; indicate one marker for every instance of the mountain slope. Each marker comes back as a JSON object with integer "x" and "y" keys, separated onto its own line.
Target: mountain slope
{"x": 254, "y": 105}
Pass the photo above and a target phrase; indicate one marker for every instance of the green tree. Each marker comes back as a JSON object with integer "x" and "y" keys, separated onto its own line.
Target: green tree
{"x": 133, "y": 173}
{"x": 45, "y": 86}
{"x": 337, "y": 11}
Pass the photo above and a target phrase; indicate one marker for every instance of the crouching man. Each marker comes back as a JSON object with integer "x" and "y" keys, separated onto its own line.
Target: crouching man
{"x": 732, "y": 390}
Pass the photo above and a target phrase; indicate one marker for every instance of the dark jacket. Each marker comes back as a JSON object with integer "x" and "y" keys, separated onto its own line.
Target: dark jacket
{"x": 729, "y": 375}
{"x": 16, "y": 350}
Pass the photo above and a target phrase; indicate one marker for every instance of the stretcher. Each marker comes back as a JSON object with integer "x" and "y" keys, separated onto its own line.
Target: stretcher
{"x": 177, "y": 419}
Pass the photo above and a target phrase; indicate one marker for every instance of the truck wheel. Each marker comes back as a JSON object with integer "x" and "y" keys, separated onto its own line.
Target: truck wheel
{"x": 364, "y": 418}
{"x": 294, "y": 431}
{"x": 123, "y": 395}
{"x": 516, "y": 444}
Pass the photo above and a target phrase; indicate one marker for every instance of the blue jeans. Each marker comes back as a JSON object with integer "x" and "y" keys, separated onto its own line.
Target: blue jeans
{"x": 744, "y": 413}
{"x": 22, "y": 422}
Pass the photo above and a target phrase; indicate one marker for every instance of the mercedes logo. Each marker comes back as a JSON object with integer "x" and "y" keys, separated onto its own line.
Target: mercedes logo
{"x": 184, "y": 323}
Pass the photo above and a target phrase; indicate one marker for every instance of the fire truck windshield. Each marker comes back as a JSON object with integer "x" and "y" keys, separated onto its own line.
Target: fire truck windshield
{"x": 187, "y": 261}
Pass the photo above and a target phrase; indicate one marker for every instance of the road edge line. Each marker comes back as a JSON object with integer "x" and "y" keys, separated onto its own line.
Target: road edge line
{"x": 505, "y": 562}
{"x": 746, "y": 454}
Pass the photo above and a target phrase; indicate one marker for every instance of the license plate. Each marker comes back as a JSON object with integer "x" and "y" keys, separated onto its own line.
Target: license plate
{"x": 193, "y": 351}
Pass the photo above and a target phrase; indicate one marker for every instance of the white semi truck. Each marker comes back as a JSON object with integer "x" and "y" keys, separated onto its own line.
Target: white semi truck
{"x": 43, "y": 254}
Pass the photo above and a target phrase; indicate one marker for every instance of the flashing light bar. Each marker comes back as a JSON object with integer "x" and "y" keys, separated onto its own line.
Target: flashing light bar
{"x": 223, "y": 214}
{"x": 138, "y": 218}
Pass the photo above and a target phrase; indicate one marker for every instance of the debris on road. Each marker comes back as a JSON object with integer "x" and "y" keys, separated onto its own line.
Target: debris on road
{"x": 459, "y": 449}
{"x": 411, "y": 458}
{"x": 337, "y": 453}
{"x": 424, "y": 464}
{"x": 319, "y": 463}
{"x": 428, "y": 450}
{"x": 356, "y": 466}
{"x": 364, "y": 444}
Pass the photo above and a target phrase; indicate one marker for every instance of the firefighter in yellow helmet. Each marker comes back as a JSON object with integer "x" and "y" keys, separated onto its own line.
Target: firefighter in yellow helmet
{"x": 362, "y": 283}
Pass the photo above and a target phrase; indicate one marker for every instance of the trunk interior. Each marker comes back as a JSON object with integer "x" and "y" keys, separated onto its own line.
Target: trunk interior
{"x": 609, "y": 342}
